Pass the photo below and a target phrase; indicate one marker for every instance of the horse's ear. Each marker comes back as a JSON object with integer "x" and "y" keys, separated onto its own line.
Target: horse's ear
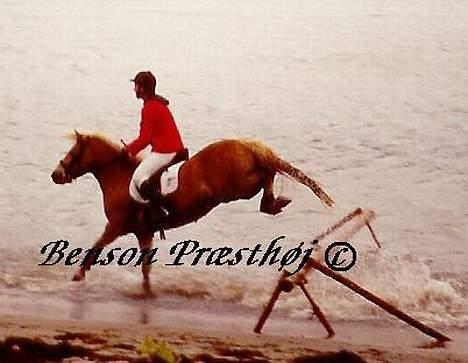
{"x": 73, "y": 135}
{"x": 81, "y": 138}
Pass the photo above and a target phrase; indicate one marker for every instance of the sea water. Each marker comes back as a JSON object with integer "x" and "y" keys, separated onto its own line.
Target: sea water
{"x": 367, "y": 97}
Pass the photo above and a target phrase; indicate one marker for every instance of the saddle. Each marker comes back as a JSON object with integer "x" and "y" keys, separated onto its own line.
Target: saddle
{"x": 180, "y": 156}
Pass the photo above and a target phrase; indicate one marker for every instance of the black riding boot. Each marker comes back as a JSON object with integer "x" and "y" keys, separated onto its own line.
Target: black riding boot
{"x": 157, "y": 212}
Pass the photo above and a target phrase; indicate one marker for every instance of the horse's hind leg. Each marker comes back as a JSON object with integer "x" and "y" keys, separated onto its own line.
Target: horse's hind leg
{"x": 269, "y": 204}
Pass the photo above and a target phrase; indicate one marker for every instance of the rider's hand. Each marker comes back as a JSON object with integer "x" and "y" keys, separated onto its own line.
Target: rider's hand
{"x": 125, "y": 154}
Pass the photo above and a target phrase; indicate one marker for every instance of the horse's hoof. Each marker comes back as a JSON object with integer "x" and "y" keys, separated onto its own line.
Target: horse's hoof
{"x": 147, "y": 289}
{"x": 276, "y": 206}
{"x": 78, "y": 277}
{"x": 282, "y": 202}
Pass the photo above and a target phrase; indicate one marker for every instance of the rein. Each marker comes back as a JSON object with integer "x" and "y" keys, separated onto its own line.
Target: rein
{"x": 74, "y": 155}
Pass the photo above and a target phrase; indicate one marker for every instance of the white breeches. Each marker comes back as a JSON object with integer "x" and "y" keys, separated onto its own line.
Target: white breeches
{"x": 151, "y": 164}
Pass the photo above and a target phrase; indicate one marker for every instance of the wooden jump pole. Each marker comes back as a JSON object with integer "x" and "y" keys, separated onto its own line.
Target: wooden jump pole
{"x": 367, "y": 215}
{"x": 378, "y": 301}
{"x": 280, "y": 286}
{"x": 286, "y": 285}
{"x": 318, "y": 312}
{"x": 340, "y": 223}
{"x": 374, "y": 237}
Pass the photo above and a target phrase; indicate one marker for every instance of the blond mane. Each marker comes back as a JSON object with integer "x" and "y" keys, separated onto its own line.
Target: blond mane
{"x": 96, "y": 135}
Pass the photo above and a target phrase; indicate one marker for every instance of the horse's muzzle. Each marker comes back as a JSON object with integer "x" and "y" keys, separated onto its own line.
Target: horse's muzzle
{"x": 59, "y": 176}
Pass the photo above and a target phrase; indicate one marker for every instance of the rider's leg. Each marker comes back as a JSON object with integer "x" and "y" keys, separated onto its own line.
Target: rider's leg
{"x": 150, "y": 165}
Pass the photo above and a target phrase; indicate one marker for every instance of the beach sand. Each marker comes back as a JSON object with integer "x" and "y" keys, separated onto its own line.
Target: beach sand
{"x": 211, "y": 337}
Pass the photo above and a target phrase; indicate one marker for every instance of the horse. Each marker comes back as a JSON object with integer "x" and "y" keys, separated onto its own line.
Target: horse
{"x": 222, "y": 172}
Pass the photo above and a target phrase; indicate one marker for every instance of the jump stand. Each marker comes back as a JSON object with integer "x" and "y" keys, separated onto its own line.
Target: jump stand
{"x": 286, "y": 283}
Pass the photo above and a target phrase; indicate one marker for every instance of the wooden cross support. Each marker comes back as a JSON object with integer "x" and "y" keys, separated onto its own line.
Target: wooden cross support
{"x": 378, "y": 301}
{"x": 286, "y": 283}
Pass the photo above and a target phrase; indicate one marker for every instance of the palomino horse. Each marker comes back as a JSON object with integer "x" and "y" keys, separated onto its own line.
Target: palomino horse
{"x": 222, "y": 172}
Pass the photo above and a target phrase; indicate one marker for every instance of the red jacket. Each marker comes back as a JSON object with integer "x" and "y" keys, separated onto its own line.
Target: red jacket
{"x": 158, "y": 129}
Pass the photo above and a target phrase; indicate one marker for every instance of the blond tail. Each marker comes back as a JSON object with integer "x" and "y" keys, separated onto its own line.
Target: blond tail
{"x": 270, "y": 160}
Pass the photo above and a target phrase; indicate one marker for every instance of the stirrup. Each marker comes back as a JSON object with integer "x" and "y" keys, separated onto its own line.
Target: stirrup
{"x": 158, "y": 215}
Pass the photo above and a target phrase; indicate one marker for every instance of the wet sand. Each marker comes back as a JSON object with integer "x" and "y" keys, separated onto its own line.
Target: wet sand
{"x": 212, "y": 337}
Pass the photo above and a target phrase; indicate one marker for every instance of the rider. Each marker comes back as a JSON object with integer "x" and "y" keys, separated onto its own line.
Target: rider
{"x": 158, "y": 129}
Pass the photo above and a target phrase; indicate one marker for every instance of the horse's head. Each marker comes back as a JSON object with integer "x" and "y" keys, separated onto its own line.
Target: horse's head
{"x": 88, "y": 154}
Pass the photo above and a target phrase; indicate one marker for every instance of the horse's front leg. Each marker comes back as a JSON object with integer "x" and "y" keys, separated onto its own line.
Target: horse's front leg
{"x": 146, "y": 243}
{"x": 109, "y": 235}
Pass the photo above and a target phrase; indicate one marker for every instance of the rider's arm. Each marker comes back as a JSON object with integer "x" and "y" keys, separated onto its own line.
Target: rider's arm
{"x": 146, "y": 133}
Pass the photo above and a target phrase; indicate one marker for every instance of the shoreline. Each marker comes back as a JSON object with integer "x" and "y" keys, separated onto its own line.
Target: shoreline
{"x": 194, "y": 333}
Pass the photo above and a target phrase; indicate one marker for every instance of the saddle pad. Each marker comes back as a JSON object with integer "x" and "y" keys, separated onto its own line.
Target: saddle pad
{"x": 170, "y": 179}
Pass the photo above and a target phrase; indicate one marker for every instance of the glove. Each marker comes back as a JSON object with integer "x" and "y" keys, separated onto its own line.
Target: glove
{"x": 126, "y": 155}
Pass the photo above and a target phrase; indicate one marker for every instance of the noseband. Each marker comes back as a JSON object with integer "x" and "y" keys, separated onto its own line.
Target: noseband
{"x": 73, "y": 155}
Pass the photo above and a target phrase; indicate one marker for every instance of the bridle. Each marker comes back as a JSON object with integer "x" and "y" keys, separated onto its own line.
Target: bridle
{"x": 73, "y": 155}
